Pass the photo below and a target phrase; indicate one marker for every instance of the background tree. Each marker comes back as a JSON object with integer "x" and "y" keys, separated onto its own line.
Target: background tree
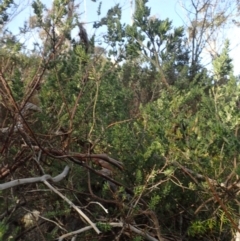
{"x": 207, "y": 22}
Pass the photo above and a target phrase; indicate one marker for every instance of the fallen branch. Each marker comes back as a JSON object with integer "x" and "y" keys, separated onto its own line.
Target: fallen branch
{"x": 44, "y": 179}
{"x": 34, "y": 179}
{"x": 114, "y": 225}
{"x": 73, "y": 206}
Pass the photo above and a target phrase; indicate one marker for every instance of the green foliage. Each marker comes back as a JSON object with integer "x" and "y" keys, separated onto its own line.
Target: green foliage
{"x": 138, "y": 238}
{"x": 6, "y": 233}
{"x": 4, "y": 7}
{"x": 175, "y": 131}
{"x": 212, "y": 226}
{"x": 3, "y": 229}
{"x": 222, "y": 64}
{"x": 154, "y": 202}
{"x": 38, "y": 8}
{"x": 139, "y": 176}
{"x": 197, "y": 228}
{"x": 104, "y": 227}
{"x": 148, "y": 41}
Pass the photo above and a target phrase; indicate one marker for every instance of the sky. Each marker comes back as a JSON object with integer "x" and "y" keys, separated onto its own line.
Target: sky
{"x": 160, "y": 8}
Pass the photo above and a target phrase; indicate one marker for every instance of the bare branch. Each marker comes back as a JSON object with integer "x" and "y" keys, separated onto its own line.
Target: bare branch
{"x": 114, "y": 225}
{"x": 35, "y": 179}
{"x": 73, "y": 206}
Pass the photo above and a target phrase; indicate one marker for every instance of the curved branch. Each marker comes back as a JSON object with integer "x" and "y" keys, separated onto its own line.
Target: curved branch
{"x": 35, "y": 179}
{"x": 83, "y": 157}
{"x": 103, "y": 157}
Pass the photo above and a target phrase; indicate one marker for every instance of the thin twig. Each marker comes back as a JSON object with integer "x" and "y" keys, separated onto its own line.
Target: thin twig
{"x": 73, "y": 206}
